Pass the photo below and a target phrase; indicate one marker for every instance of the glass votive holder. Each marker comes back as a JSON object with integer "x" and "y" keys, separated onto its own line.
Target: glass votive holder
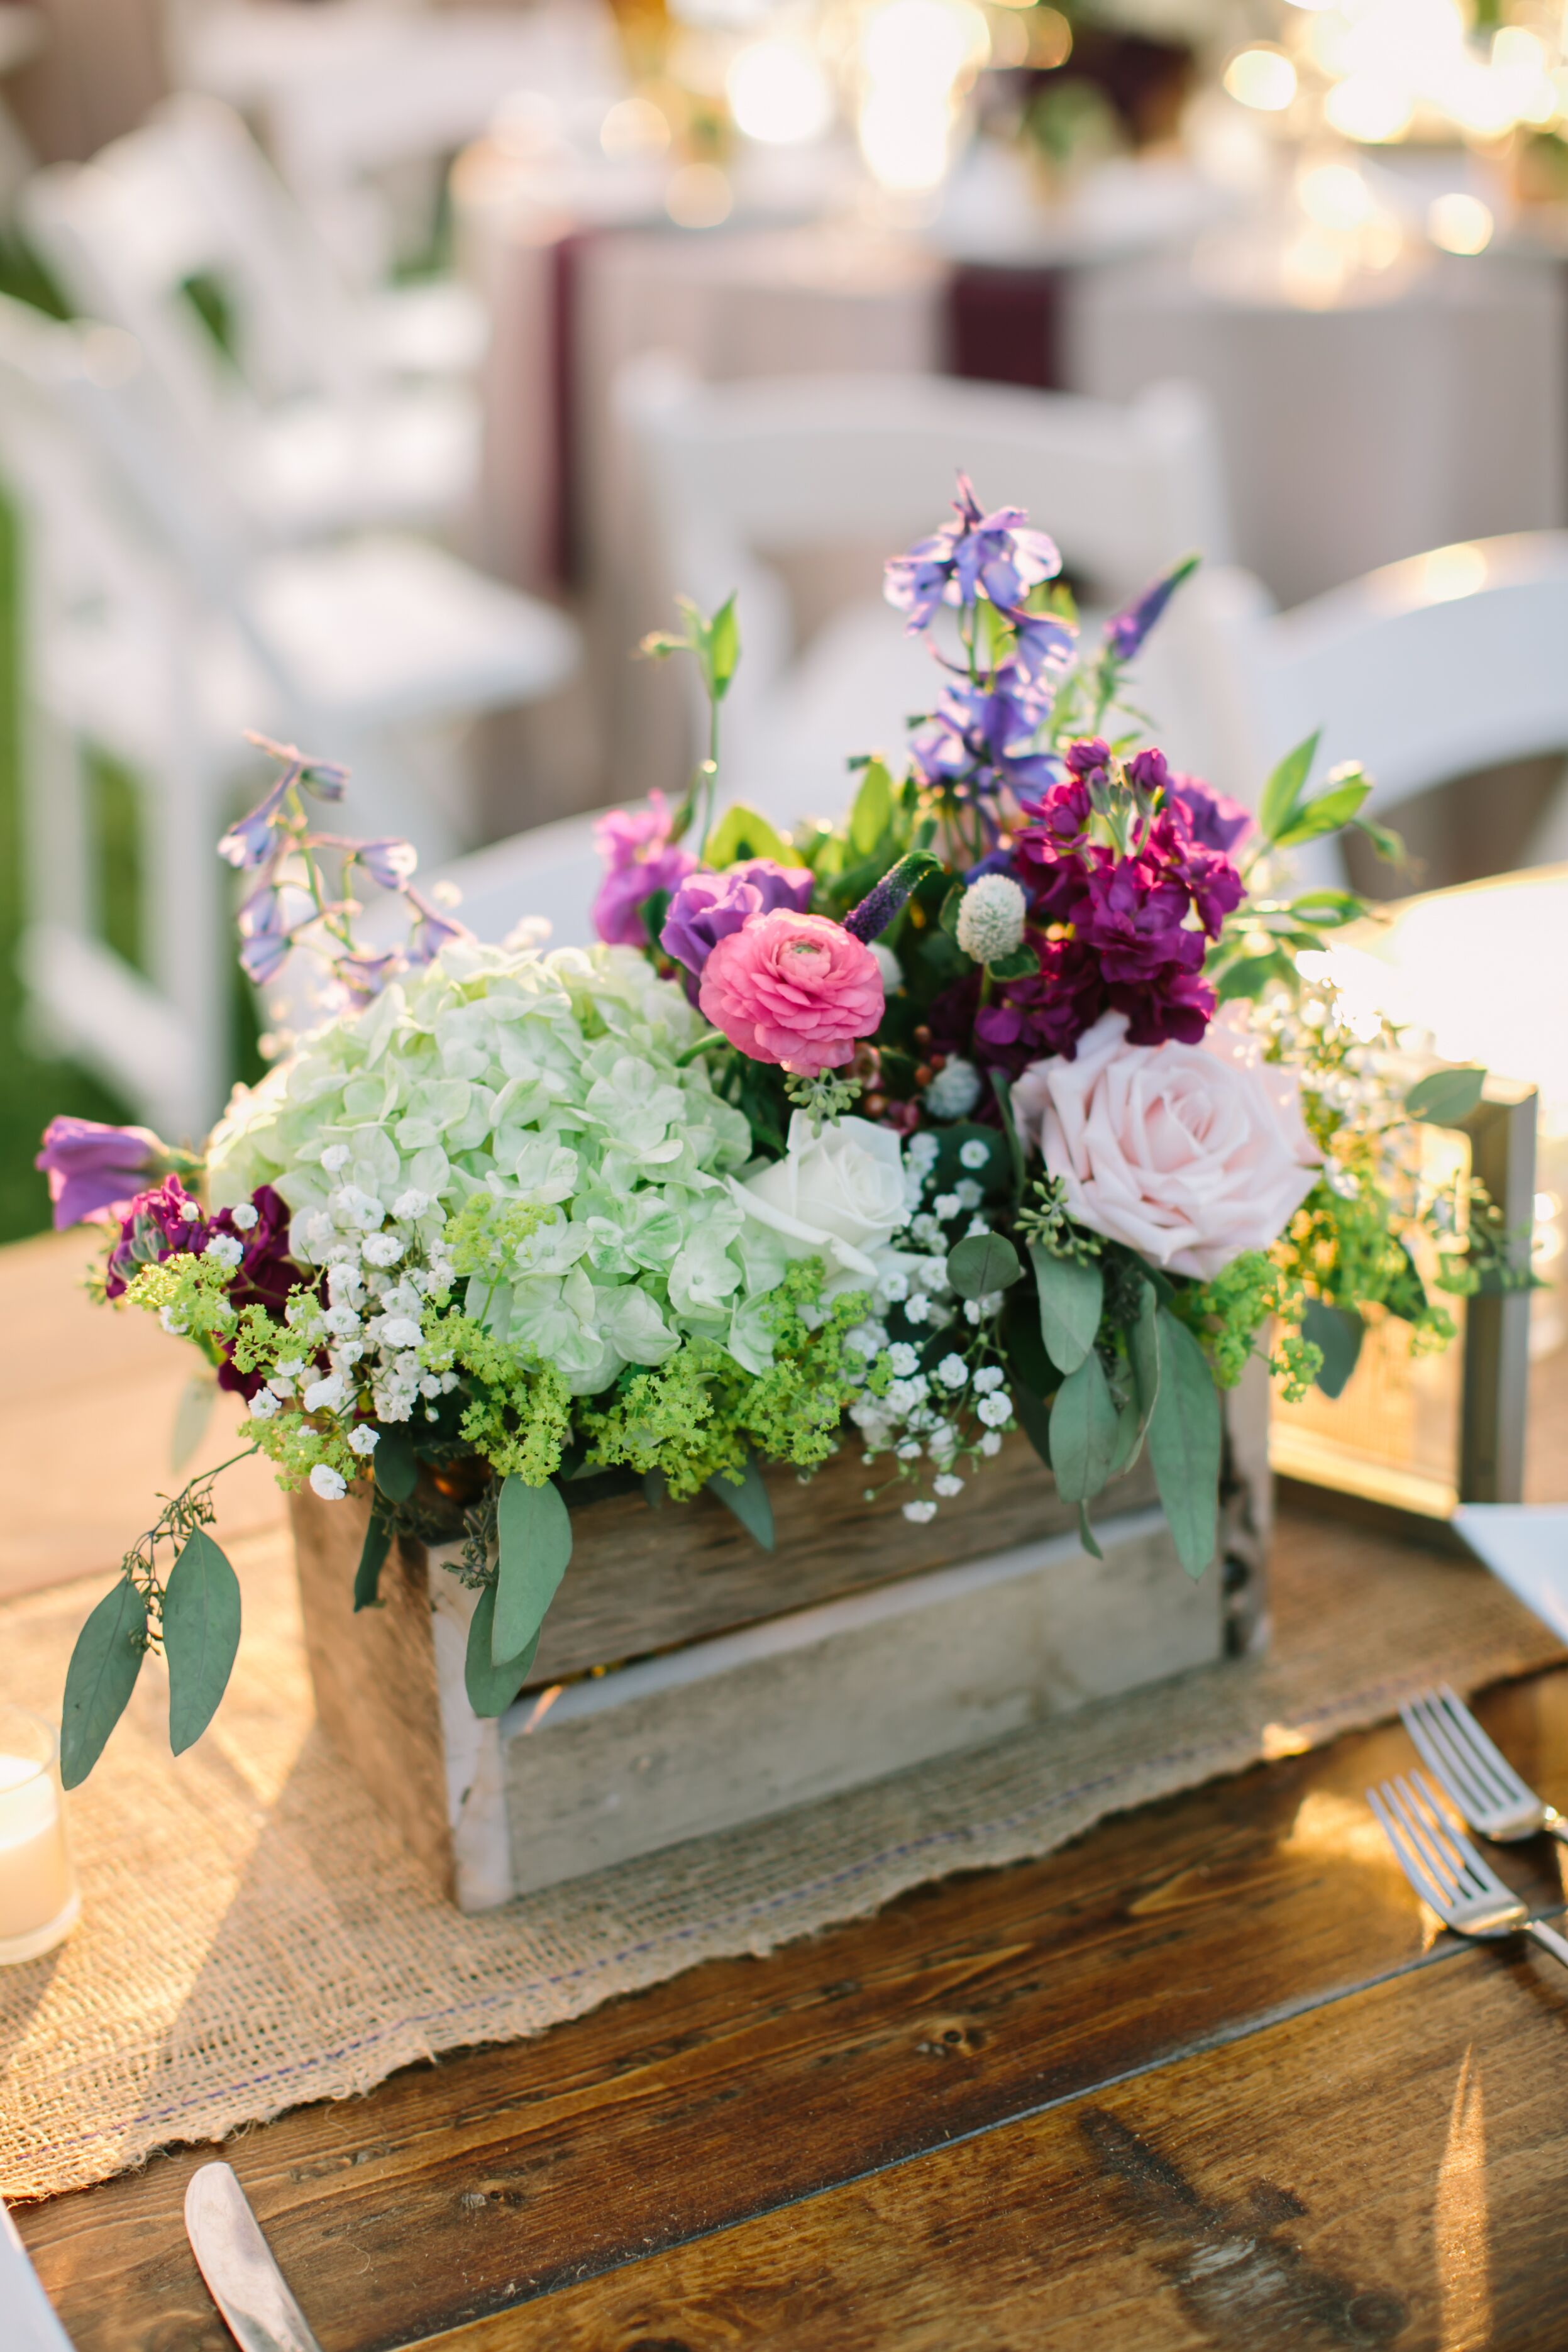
{"x": 40, "y": 1898}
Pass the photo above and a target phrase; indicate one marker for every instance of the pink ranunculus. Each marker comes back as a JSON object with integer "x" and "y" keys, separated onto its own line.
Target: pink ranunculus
{"x": 795, "y": 989}
{"x": 1189, "y": 1154}
{"x": 640, "y": 858}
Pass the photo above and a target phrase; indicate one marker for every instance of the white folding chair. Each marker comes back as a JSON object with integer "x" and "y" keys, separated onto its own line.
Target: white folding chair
{"x": 734, "y": 474}
{"x": 1424, "y": 670}
{"x": 311, "y": 437}
{"x": 155, "y": 634}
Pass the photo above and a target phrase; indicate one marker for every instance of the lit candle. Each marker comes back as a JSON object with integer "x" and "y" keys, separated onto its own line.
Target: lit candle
{"x": 39, "y": 1898}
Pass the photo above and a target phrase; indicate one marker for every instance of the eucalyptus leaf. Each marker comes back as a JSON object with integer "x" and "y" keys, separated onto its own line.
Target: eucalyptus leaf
{"x": 492, "y": 1688}
{"x": 1033, "y": 1418}
{"x": 749, "y": 1501}
{"x": 1339, "y": 1334}
{"x": 1282, "y": 793}
{"x": 1083, "y": 1432}
{"x": 372, "y": 1559}
{"x": 201, "y": 1635}
{"x": 1186, "y": 1436}
{"x": 1143, "y": 1355}
{"x": 535, "y": 1532}
{"x": 396, "y": 1471}
{"x": 1129, "y": 1436}
{"x": 1072, "y": 1299}
{"x": 1443, "y": 1097}
{"x": 982, "y": 1264}
{"x": 1086, "y": 1535}
{"x": 101, "y": 1678}
{"x": 1003, "y": 1094}
{"x": 192, "y": 1416}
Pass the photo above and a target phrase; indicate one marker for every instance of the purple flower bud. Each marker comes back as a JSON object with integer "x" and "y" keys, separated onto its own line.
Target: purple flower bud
{"x": 95, "y": 1170}
{"x": 1126, "y": 631}
{"x": 254, "y": 838}
{"x": 876, "y": 911}
{"x": 706, "y": 907}
{"x": 264, "y": 957}
{"x": 431, "y": 931}
{"x": 391, "y": 863}
{"x": 364, "y": 972}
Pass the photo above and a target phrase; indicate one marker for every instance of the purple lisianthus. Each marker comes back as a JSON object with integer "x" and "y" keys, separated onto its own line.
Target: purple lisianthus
{"x": 158, "y": 1223}
{"x": 640, "y": 858}
{"x": 994, "y": 555}
{"x": 95, "y": 1170}
{"x": 1126, "y": 631}
{"x": 706, "y": 907}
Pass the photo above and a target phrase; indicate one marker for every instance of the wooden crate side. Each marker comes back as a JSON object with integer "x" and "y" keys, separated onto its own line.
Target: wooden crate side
{"x": 642, "y": 1580}
{"x": 375, "y": 1674}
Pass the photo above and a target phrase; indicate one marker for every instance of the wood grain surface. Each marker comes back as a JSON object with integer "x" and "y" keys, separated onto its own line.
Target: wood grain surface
{"x": 1207, "y": 2078}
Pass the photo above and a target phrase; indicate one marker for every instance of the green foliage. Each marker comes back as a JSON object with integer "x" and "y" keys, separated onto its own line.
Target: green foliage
{"x": 517, "y": 1416}
{"x": 201, "y": 1635}
{"x": 1337, "y": 1333}
{"x": 492, "y": 1688}
{"x": 1083, "y": 1432}
{"x": 371, "y": 1560}
{"x": 1444, "y": 1098}
{"x": 743, "y": 833}
{"x": 101, "y": 1678}
{"x": 534, "y": 1530}
{"x": 1185, "y": 1435}
{"x": 872, "y": 816}
{"x": 747, "y": 1497}
{"x": 1072, "y": 1299}
{"x": 1044, "y": 1223}
{"x": 982, "y": 1263}
{"x": 396, "y": 1470}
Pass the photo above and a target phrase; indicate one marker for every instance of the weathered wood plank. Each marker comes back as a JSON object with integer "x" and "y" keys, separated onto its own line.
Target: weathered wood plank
{"x": 1385, "y": 2170}
{"x": 642, "y": 1580}
{"x": 453, "y": 2191}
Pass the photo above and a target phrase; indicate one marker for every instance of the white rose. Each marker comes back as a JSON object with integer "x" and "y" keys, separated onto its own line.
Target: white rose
{"x": 839, "y": 1195}
{"x": 1189, "y": 1154}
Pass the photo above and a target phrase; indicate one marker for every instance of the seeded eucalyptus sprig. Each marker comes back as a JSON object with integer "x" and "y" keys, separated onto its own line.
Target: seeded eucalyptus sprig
{"x": 192, "y": 1615}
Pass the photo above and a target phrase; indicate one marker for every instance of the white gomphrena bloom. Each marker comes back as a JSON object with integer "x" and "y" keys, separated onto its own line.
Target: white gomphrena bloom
{"x": 991, "y": 917}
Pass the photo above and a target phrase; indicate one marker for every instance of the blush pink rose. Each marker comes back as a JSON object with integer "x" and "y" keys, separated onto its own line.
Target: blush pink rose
{"x": 794, "y": 989}
{"x": 1189, "y": 1154}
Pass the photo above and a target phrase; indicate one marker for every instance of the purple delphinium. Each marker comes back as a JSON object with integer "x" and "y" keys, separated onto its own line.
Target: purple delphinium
{"x": 93, "y": 1169}
{"x": 1126, "y": 631}
{"x": 994, "y": 555}
{"x": 706, "y": 907}
{"x": 979, "y": 741}
{"x": 639, "y": 860}
{"x": 431, "y": 931}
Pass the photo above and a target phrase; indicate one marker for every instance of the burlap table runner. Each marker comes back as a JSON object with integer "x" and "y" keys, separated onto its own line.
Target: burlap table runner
{"x": 254, "y": 1935}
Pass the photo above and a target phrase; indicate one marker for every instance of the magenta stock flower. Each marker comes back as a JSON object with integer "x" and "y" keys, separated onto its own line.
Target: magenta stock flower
{"x": 93, "y": 1169}
{"x": 792, "y": 989}
{"x": 639, "y": 860}
{"x": 706, "y": 907}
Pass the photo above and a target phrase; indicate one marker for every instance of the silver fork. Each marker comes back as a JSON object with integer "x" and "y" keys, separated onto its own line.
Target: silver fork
{"x": 1481, "y": 1781}
{"x": 1447, "y": 1872}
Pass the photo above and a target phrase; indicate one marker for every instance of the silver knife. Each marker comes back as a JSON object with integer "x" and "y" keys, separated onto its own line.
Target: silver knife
{"x": 236, "y": 2262}
{"x": 30, "y": 2321}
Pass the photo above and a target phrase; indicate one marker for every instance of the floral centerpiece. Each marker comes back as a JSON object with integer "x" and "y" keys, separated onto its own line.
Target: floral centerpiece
{"x": 1015, "y": 1098}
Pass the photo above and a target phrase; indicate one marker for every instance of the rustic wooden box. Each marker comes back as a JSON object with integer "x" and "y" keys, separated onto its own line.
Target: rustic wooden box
{"x": 685, "y": 1681}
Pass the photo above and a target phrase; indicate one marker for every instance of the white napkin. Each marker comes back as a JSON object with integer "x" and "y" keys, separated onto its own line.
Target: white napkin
{"x": 1526, "y": 1544}
{"x": 30, "y": 2320}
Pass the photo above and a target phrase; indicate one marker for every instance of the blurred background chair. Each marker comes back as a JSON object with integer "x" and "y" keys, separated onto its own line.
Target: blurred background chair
{"x": 179, "y": 235}
{"x": 739, "y": 480}
{"x": 158, "y": 636}
{"x": 1424, "y": 671}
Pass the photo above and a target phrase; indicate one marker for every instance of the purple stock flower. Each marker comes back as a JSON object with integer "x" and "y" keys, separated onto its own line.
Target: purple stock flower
{"x": 706, "y": 907}
{"x": 639, "y": 860}
{"x": 1215, "y": 821}
{"x": 156, "y": 1225}
{"x": 93, "y": 1169}
{"x": 1126, "y": 631}
{"x": 994, "y": 555}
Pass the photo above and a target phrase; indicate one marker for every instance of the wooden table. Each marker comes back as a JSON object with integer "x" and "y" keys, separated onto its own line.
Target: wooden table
{"x": 1205, "y": 2078}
